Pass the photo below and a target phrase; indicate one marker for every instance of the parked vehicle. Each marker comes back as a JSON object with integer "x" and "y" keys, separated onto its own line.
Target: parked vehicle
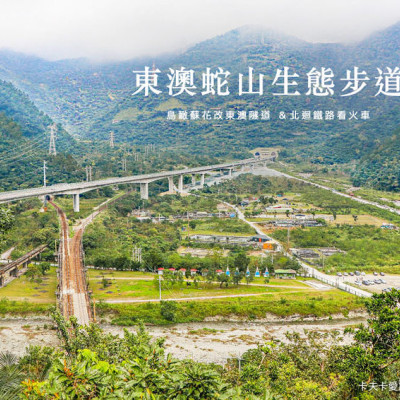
{"x": 351, "y": 273}
{"x": 375, "y": 273}
{"x": 381, "y": 274}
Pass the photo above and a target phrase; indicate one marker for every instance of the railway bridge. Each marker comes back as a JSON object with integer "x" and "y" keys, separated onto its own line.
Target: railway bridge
{"x": 11, "y": 270}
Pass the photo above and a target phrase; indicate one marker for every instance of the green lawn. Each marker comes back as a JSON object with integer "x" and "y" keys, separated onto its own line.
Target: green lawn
{"x": 302, "y": 303}
{"x": 98, "y": 273}
{"x": 146, "y": 290}
{"x": 86, "y": 206}
{"x": 140, "y": 285}
{"x": 22, "y": 288}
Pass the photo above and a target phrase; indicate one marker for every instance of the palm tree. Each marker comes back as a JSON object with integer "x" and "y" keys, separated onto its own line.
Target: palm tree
{"x": 10, "y": 377}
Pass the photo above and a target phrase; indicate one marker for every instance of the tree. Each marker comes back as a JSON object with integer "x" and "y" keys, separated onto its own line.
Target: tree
{"x": 168, "y": 310}
{"x": 237, "y": 277}
{"x": 6, "y": 221}
{"x": 11, "y": 376}
{"x": 223, "y": 279}
{"x": 249, "y": 277}
{"x": 153, "y": 259}
{"x": 355, "y": 217}
{"x": 192, "y": 224}
{"x": 377, "y": 344}
{"x": 241, "y": 261}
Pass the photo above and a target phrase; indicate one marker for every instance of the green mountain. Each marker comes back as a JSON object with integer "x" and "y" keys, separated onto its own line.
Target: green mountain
{"x": 90, "y": 99}
{"x": 381, "y": 168}
{"x": 24, "y": 143}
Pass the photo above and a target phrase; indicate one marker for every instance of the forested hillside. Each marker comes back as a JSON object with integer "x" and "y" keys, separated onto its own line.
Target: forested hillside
{"x": 90, "y": 99}
{"x": 24, "y": 143}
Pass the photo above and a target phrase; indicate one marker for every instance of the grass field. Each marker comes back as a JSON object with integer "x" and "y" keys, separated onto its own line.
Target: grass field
{"x": 21, "y": 289}
{"x": 86, "y": 205}
{"x": 147, "y": 290}
{"x": 300, "y": 303}
{"x": 23, "y": 297}
{"x": 98, "y": 273}
{"x": 361, "y": 220}
{"x": 138, "y": 285}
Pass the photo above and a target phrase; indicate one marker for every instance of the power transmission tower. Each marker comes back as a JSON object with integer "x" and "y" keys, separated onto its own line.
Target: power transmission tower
{"x": 44, "y": 173}
{"x": 111, "y": 139}
{"x": 52, "y": 146}
{"x": 88, "y": 170}
{"x": 137, "y": 254}
{"x": 124, "y": 164}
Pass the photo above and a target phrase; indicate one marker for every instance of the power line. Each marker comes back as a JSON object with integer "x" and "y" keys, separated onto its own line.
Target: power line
{"x": 23, "y": 147}
{"x": 27, "y": 153}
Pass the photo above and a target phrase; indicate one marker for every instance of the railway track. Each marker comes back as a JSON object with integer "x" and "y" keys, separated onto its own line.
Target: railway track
{"x": 73, "y": 293}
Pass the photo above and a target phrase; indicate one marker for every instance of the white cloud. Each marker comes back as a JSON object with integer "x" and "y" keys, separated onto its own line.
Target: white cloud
{"x": 123, "y": 29}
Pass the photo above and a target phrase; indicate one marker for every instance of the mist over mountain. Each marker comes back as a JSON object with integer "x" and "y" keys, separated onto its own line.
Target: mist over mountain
{"x": 91, "y": 99}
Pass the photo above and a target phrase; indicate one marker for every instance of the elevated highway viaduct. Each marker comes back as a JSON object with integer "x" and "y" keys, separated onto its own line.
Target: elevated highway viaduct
{"x": 75, "y": 189}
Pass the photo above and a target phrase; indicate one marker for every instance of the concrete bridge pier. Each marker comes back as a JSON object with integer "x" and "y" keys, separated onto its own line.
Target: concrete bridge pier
{"x": 242, "y": 168}
{"x": 202, "y": 180}
{"x": 144, "y": 190}
{"x": 194, "y": 179}
{"x": 180, "y": 183}
{"x": 75, "y": 198}
{"x": 230, "y": 172}
{"x": 171, "y": 187}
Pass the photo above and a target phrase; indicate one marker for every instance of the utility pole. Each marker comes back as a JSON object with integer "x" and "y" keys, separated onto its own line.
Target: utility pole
{"x": 44, "y": 173}
{"x": 112, "y": 139}
{"x": 90, "y": 172}
{"x": 87, "y": 173}
{"x": 159, "y": 283}
{"x": 52, "y": 145}
{"x": 94, "y": 309}
{"x": 124, "y": 164}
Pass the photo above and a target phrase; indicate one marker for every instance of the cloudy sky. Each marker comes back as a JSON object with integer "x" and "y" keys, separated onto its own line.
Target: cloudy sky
{"x": 123, "y": 29}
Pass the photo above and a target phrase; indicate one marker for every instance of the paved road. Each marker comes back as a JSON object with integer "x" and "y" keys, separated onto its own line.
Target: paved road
{"x": 6, "y": 255}
{"x": 80, "y": 187}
